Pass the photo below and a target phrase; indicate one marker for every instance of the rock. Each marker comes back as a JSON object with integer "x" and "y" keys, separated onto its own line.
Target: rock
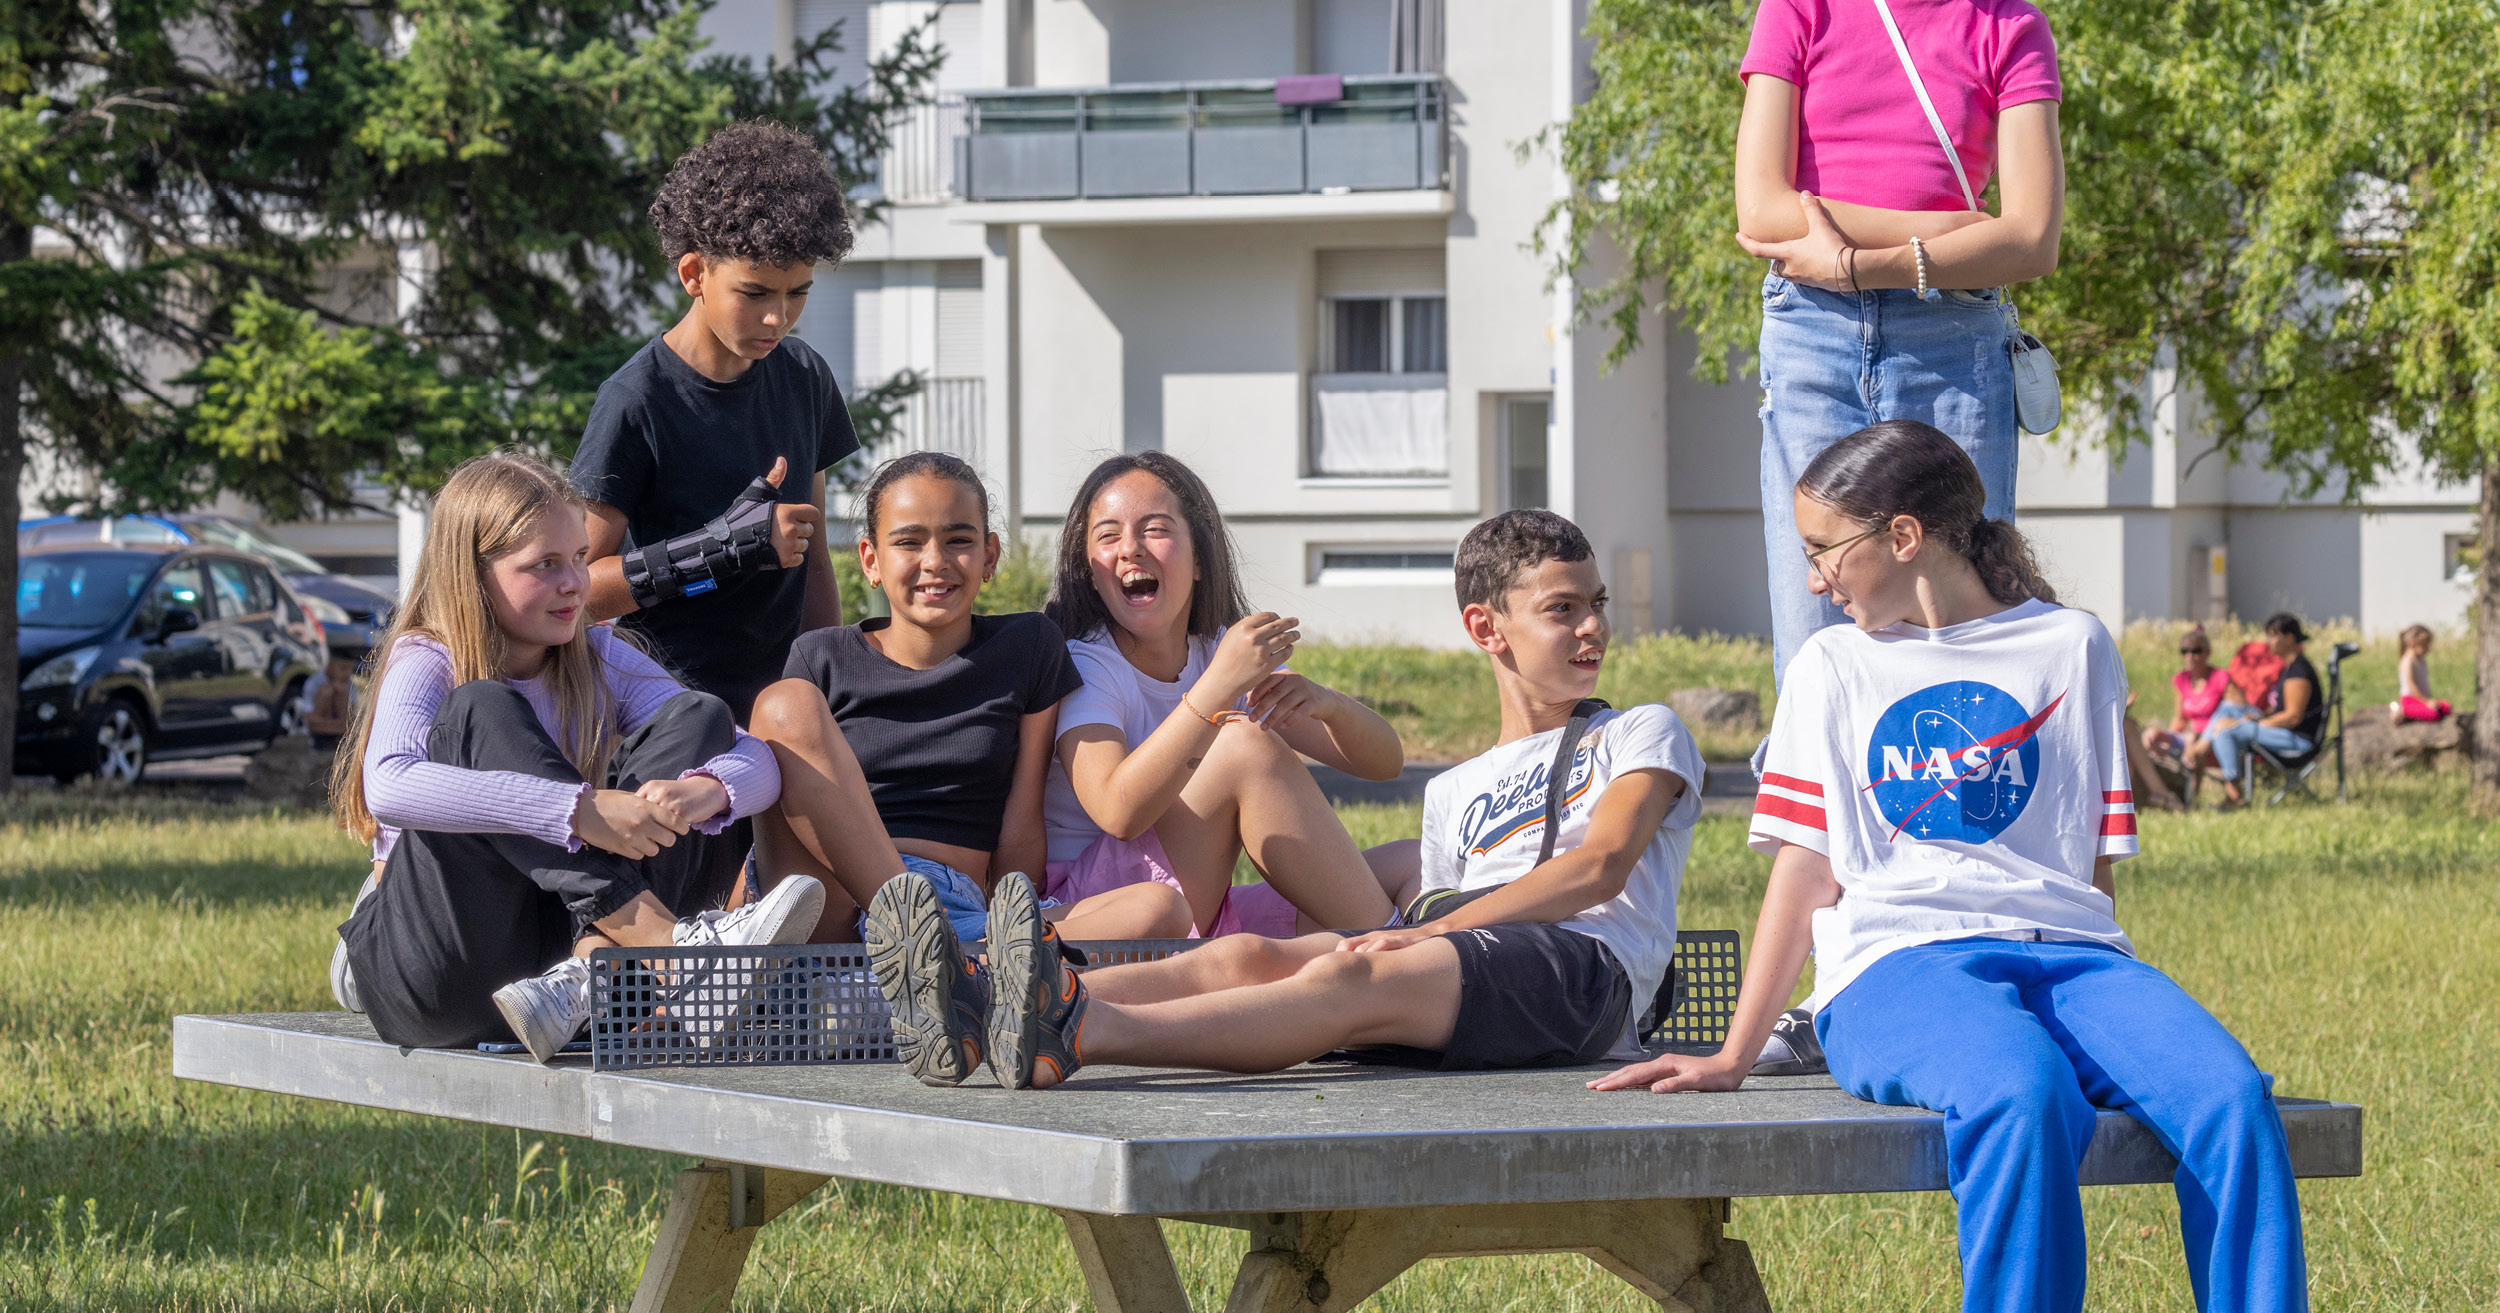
{"x": 2371, "y": 744}
{"x": 289, "y": 771}
{"x": 1735, "y": 709}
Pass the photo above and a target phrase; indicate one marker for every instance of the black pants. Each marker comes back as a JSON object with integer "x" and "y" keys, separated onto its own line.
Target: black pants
{"x": 458, "y": 916}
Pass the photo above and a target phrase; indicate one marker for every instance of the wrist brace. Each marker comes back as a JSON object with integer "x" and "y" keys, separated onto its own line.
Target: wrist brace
{"x": 737, "y": 541}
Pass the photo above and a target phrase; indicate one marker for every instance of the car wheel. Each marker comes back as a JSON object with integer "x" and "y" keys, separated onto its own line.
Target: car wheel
{"x": 117, "y": 745}
{"x": 290, "y": 712}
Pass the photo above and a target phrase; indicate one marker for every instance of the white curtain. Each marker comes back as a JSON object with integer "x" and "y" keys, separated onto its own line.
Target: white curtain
{"x": 1380, "y": 424}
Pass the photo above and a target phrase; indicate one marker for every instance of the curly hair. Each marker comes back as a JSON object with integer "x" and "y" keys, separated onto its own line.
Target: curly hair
{"x": 757, "y": 191}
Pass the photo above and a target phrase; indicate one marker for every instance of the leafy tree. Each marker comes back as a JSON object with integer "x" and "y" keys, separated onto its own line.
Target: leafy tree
{"x": 2292, "y": 202}
{"x": 217, "y": 171}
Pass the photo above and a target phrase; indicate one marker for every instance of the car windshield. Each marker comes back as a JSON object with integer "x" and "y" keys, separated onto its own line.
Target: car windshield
{"x": 79, "y": 590}
{"x": 244, "y": 538}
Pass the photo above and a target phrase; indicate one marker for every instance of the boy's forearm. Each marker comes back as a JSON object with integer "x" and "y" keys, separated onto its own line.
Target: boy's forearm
{"x": 1557, "y": 891}
{"x": 610, "y": 596}
{"x": 821, "y": 608}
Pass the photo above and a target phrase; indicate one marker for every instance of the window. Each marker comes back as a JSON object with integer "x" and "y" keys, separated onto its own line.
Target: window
{"x": 1376, "y": 564}
{"x": 1526, "y": 422}
{"x": 2459, "y": 561}
{"x": 78, "y": 591}
{"x": 180, "y": 586}
{"x": 1388, "y": 335}
{"x": 234, "y": 589}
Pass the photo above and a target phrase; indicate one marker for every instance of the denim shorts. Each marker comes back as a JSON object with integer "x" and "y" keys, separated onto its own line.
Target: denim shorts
{"x": 967, "y": 909}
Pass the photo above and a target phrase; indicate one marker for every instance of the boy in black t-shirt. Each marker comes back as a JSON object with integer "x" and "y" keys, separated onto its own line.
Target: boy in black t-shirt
{"x": 704, "y": 456}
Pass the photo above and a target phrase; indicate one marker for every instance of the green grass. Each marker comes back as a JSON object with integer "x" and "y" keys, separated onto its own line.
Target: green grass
{"x": 1444, "y": 707}
{"x": 2349, "y": 948}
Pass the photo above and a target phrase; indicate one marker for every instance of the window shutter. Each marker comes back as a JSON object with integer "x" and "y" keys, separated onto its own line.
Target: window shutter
{"x": 1383, "y": 271}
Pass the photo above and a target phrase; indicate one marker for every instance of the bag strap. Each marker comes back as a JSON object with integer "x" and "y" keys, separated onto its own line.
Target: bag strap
{"x": 1558, "y": 777}
{"x": 1934, "y": 120}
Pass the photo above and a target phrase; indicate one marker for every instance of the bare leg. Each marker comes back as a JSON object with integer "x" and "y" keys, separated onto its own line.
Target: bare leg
{"x": 1399, "y": 867}
{"x": 1145, "y": 910}
{"x": 825, "y": 825}
{"x": 2147, "y": 775}
{"x": 1253, "y": 792}
{"x": 1228, "y": 963}
{"x": 1407, "y": 996}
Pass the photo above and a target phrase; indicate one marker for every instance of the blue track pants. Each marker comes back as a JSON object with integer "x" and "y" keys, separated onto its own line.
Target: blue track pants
{"x": 2017, "y": 1043}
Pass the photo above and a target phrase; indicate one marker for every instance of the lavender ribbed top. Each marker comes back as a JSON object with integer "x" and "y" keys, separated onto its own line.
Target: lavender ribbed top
{"x": 404, "y": 790}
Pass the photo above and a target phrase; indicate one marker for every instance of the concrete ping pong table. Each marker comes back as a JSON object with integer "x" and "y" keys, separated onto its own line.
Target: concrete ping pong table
{"x": 1344, "y": 1176}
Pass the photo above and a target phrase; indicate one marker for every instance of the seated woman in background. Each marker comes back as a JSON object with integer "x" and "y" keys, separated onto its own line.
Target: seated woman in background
{"x": 2298, "y": 711}
{"x": 2413, "y": 679}
{"x": 2202, "y": 688}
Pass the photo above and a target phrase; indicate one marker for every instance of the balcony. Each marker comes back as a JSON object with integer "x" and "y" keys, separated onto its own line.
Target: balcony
{"x": 947, "y": 415}
{"x": 1210, "y": 150}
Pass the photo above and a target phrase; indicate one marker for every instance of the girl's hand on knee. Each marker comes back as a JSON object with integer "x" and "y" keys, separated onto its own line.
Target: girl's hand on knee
{"x": 1672, "y": 1073}
{"x": 1284, "y": 700}
{"x": 690, "y": 801}
{"x": 626, "y": 824}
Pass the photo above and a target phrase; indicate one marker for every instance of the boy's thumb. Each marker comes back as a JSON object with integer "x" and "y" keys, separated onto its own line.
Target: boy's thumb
{"x": 781, "y": 470}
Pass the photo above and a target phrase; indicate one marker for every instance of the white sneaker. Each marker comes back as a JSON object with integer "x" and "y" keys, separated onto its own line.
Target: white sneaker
{"x": 343, "y": 980}
{"x": 787, "y": 915}
{"x": 546, "y": 1011}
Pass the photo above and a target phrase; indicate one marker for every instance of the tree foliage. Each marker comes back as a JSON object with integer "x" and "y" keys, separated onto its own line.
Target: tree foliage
{"x": 315, "y": 242}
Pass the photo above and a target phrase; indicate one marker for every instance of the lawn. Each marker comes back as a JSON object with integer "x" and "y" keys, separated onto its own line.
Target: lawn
{"x": 2350, "y": 947}
{"x": 1443, "y": 705}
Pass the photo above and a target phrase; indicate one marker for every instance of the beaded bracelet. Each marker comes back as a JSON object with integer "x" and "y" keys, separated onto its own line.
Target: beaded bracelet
{"x": 1918, "y": 253}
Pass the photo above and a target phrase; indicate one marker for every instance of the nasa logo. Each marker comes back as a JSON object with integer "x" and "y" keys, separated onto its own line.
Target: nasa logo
{"x": 1955, "y": 761}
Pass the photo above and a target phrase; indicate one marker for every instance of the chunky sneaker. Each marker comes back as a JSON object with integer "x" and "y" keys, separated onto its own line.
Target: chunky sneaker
{"x": 787, "y": 915}
{"x": 343, "y": 980}
{"x": 1039, "y": 1005}
{"x": 940, "y": 999}
{"x": 1792, "y": 1049}
{"x": 546, "y": 1011}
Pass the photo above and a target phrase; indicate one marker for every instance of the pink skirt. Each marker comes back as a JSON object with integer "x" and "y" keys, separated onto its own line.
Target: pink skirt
{"x": 1110, "y": 863}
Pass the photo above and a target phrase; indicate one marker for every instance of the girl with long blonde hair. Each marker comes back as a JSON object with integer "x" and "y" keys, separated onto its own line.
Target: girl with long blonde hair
{"x": 533, "y": 788}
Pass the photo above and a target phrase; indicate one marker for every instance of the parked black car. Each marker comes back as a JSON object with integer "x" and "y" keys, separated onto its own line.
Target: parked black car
{"x": 144, "y": 652}
{"x": 353, "y": 613}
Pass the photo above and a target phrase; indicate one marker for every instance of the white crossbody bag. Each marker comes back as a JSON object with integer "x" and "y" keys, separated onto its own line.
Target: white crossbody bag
{"x": 2038, "y": 402}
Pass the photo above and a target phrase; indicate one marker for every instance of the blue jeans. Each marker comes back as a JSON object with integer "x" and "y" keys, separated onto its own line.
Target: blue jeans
{"x": 2016, "y": 1044}
{"x": 1833, "y": 363}
{"x": 2231, "y": 745}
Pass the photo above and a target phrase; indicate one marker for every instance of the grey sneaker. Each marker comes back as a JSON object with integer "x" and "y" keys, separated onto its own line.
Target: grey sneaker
{"x": 787, "y": 915}
{"x": 939, "y": 999}
{"x": 546, "y": 1011}
{"x": 343, "y": 980}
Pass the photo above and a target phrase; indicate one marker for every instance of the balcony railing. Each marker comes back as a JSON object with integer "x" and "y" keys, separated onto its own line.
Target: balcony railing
{"x": 945, "y": 415}
{"x": 1202, "y": 139}
{"x": 918, "y": 167}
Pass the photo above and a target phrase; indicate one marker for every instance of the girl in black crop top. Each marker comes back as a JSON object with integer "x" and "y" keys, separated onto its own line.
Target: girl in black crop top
{"x": 947, "y": 715}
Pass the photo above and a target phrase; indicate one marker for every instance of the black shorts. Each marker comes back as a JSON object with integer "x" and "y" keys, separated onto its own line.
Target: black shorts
{"x": 1529, "y": 995}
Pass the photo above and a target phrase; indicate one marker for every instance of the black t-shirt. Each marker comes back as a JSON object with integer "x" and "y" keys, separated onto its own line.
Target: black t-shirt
{"x": 939, "y": 745}
{"x": 2312, "y": 716}
{"x": 671, "y": 449}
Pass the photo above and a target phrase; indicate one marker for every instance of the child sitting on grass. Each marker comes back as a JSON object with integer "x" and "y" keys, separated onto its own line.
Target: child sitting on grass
{"x": 2413, "y": 679}
{"x": 533, "y": 788}
{"x": 1547, "y": 967}
{"x": 1945, "y": 797}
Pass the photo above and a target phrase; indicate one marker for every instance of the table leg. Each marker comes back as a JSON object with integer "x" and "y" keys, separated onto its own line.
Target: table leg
{"x": 711, "y": 1222}
{"x": 1670, "y": 1249}
{"x": 1128, "y": 1268}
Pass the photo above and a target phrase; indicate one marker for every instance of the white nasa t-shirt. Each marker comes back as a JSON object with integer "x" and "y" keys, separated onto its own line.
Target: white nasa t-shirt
{"x": 1484, "y": 820}
{"x": 1962, "y": 781}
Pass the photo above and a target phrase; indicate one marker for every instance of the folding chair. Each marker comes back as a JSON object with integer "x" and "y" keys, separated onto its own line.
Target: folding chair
{"x": 2291, "y": 771}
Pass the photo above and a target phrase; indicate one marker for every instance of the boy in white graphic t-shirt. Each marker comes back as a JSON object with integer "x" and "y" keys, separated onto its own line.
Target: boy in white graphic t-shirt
{"x": 1548, "y": 967}
{"x": 1945, "y": 796}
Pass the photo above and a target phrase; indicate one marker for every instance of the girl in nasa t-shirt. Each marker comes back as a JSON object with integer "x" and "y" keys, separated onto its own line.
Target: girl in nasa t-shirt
{"x": 1945, "y": 794}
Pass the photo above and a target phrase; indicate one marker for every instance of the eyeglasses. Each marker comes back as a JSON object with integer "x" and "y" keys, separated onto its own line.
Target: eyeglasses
{"x": 1814, "y": 563}
{"x": 2196, "y": 651}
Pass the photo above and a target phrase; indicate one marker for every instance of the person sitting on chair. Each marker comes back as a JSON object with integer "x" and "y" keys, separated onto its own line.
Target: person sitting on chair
{"x": 2291, "y": 728}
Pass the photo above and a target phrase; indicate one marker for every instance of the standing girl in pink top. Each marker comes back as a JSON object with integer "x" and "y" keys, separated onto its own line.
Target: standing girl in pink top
{"x": 1883, "y": 298}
